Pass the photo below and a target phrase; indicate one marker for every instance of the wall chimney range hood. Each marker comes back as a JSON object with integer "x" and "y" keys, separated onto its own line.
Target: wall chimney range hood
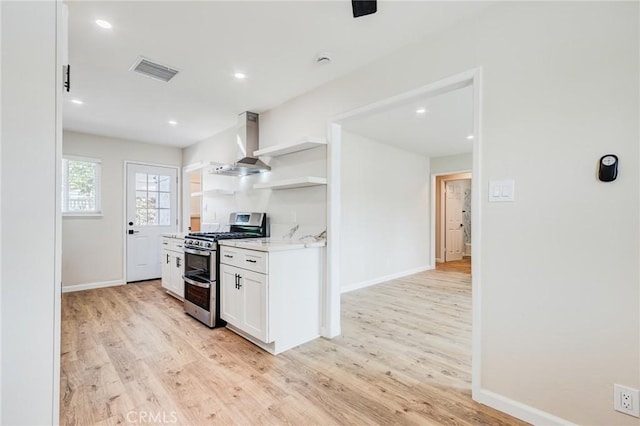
{"x": 247, "y": 140}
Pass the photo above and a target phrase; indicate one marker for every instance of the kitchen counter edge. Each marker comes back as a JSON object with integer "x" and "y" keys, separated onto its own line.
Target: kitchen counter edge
{"x": 269, "y": 245}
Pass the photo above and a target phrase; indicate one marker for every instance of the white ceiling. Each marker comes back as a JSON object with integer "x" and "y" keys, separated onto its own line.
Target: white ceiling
{"x": 442, "y": 130}
{"x": 274, "y": 42}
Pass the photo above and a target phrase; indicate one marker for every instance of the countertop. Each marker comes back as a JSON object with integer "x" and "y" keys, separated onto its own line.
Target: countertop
{"x": 174, "y": 235}
{"x": 272, "y": 244}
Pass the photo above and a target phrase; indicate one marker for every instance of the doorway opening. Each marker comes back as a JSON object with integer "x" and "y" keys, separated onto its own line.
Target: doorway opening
{"x": 341, "y": 164}
{"x": 151, "y": 209}
{"x": 452, "y": 202}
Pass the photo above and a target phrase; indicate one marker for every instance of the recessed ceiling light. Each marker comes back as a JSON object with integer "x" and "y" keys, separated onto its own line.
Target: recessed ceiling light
{"x": 470, "y": 137}
{"x": 239, "y": 75}
{"x": 104, "y": 24}
{"x": 173, "y": 122}
{"x": 421, "y": 110}
{"x": 77, "y": 101}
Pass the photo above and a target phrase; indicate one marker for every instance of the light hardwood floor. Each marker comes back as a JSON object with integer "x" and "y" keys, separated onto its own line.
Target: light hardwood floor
{"x": 130, "y": 355}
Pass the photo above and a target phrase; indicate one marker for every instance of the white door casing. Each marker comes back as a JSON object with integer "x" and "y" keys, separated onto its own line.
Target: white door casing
{"x": 151, "y": 210}
{"x": 454, "y": 237}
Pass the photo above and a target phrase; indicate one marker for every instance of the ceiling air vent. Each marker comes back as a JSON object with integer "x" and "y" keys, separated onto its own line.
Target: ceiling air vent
{"x": 153, "y": 70}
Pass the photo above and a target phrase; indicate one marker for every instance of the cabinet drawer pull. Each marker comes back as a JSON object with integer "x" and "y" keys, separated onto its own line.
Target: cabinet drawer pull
{"x": 229, "y": 256}
{"x": 251, "y": 260}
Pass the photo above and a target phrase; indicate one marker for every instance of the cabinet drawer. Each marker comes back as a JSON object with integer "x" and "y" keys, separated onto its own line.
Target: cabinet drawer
{"x": 230, "y": 256}
{"x": 173, "y": 244}
{"x": 254, "y": 261}
{"x": 248, "y": 259}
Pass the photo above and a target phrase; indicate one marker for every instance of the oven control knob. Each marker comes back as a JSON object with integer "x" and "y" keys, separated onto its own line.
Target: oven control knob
{"x": 208, "y": 244}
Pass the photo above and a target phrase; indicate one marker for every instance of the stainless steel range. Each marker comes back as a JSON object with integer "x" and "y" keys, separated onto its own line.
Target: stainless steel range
{"x": 202, "y": 265}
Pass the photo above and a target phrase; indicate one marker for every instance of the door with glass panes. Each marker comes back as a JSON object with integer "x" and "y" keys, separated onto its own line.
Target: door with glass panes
{"x": 151, "y": 211}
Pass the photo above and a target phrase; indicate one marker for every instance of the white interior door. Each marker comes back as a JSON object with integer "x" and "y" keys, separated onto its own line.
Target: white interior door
{"x": 151, "y": 211}
{"x": 454, "y": 236}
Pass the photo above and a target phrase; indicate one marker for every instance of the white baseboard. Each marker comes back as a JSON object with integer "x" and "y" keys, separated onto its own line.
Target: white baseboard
{"x": 518, "y": 409}
{"x": 374, "y": 281}
{"x": 89, "y": 286}
{"x": 439, "y": 260}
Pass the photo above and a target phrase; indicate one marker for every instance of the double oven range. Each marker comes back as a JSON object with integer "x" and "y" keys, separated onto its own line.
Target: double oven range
{"x": 202, "y": 265}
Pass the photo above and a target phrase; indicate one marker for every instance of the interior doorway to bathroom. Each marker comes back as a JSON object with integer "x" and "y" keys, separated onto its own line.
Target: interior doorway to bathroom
{"x": 453, "y": 218}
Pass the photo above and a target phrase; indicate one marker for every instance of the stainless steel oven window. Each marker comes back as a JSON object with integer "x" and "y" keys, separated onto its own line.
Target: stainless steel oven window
{"x": 199, "y": 263}
{"x": 198, "y": 293}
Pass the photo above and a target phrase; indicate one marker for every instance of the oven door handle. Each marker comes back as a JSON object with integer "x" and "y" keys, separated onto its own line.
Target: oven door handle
{"x": 196, "y": 283}
{"x": 197, "y": 252}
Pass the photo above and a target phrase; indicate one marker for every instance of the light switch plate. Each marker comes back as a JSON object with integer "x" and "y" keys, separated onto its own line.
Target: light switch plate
{"x": 501, "y": 190}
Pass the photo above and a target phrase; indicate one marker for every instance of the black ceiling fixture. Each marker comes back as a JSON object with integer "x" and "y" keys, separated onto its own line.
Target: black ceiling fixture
{"x": 364, "y": 7}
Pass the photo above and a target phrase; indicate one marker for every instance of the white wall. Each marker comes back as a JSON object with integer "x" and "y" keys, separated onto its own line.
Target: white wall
{"x": 452, "y": 163}
{"x": 28, "y": 208}
{"x": 305, "y": 207}
{"x": 385, "y": 212}
{"x": 561, "y": 79}
{"x": 92, "y": 247}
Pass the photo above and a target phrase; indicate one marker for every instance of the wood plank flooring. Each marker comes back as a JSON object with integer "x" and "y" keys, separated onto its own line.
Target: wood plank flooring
{"x": 130, "y": 355}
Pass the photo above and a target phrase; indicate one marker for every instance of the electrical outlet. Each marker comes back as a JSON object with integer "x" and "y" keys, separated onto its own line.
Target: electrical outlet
{"x": 626, "y": 400}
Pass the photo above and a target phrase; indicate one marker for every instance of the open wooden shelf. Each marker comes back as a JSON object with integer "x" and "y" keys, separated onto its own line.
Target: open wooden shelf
{"x": 218, "y": 191}
{"x": 301, "y": 182}
{"x": 200, "y": 165}
{"x": 284, "y": 149}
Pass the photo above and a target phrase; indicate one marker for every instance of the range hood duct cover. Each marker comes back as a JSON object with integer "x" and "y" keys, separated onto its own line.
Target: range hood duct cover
{"x": 247, "y": 140}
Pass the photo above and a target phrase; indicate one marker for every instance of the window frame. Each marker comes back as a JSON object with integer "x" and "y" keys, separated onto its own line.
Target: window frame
{"x": 157, "y": 192}
{"x": 97, "y": 187}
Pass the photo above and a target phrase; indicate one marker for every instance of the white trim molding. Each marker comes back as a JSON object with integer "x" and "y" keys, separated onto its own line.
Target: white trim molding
{"x": 90, "y": 286}
{"x": 476, "y": 236}
{"x": 380, "y": 280}
{"x": 518, "y": 409}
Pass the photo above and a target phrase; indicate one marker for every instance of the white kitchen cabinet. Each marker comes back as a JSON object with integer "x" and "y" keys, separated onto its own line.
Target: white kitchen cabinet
{"x": 244, "y": 300}
{"x": 229, "y": 296}
{"x": 173, "y": 266}
{"x": 271, "y": 298}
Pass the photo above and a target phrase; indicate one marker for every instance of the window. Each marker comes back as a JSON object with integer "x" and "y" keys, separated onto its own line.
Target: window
{"x": 153, "y": 200}
{"x": 81, "y": 186}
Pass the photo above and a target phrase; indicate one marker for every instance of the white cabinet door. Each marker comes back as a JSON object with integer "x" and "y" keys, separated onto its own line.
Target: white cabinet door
{"x": 167, "y": 269}
{"x": 230, "y": 296}
{"x": 254, "y": 304}
{"x": 177, "y": 270}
